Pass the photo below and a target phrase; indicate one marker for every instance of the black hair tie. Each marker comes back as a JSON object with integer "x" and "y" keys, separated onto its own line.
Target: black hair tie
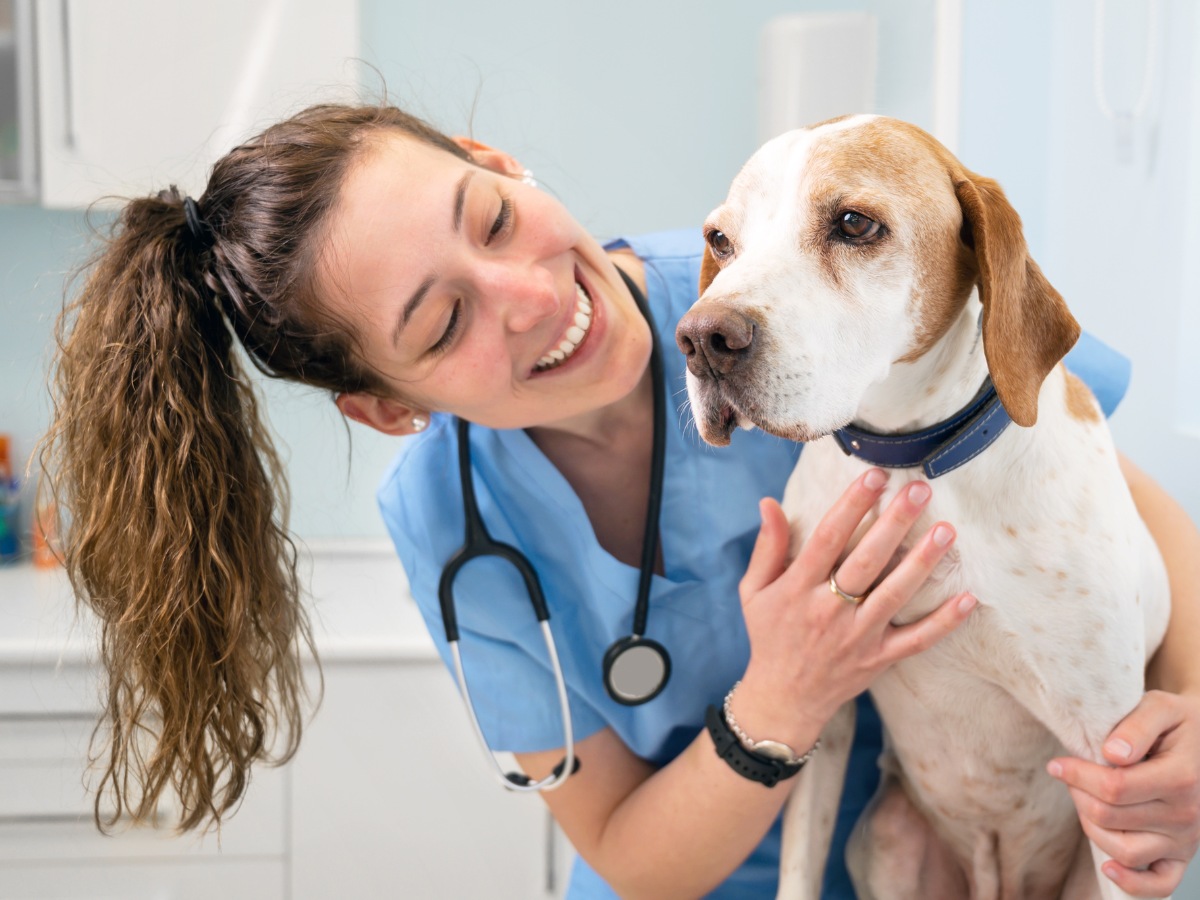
{"x": 200, "y": 230}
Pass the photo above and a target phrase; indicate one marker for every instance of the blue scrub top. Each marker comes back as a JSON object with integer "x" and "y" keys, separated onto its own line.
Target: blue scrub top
{"x": 709, "y": 522}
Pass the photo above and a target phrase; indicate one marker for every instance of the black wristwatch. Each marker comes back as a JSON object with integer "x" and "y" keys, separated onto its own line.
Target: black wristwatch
{"x": 750, "y": 764}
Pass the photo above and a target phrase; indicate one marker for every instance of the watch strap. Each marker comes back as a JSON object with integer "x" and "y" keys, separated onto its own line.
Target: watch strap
{"x": 745, "y": 762}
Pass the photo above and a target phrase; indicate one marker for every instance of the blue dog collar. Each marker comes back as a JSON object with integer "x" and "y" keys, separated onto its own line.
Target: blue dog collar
{"x": 938, "y": 449}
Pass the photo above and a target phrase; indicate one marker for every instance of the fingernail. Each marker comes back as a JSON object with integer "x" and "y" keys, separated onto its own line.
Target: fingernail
{"x": 875, "y": 479}
{"x": 1110, "y": 872}
{"x": 918, "y": 492}
{"x": 1118, "y": 748}
{"x": 1055, "y": 769}
{"x": 942, "y": 535}
{"x": 966, "y": 604}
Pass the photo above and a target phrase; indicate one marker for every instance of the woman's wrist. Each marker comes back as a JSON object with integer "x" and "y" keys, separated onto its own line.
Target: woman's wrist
{"x": 763, "y": 715}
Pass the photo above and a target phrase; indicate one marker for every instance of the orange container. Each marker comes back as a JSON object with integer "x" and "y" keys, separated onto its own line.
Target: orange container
{"x": 46, "y": 552}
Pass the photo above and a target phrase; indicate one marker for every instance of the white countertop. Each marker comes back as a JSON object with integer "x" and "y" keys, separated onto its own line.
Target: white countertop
{"x": 358, "y": 600}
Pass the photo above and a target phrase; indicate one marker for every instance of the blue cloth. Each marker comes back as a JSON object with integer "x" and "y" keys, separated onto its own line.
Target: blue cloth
{"x": 709, "y": 523}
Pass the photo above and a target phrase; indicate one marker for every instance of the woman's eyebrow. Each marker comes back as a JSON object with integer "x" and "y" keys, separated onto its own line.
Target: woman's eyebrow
{"x": 460, "y": 201}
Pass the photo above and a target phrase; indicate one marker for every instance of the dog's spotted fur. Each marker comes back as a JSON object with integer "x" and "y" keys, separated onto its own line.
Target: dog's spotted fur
{"x": 1073, "y": 594}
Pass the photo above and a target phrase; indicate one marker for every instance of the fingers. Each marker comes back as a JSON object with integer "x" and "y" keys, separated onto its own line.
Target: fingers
{"x": 910, "y": 573}
{"x": 1154, "y": 779}
{"x": 821, "y": 551}
{"x": 1157, "y": 714}
{"x": 867, "y": 560}
{"x": 1160, "y": 880}
{"x": 769, "y": 557}
{"x": 907, "y": 640}
{"x": 1154, "y": 815}
{"x": 1134, "y": 849}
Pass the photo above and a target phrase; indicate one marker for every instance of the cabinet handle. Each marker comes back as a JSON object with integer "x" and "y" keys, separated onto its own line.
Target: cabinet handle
{"x": 68, "y": 91}
{"x": 551, "y": 882}
{"x": 42, "y": 819}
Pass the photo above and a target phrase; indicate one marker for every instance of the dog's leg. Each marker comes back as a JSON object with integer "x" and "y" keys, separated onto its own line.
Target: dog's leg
{"x": 811, "y": 811}
{"x": 1079, "y": 711}
{"x": 895, "y": 854}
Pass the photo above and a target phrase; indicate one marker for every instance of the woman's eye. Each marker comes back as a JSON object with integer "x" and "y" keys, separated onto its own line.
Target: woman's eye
{"x": 857, "y": 227}
{"x": 447, "y": 338}
{"x": 503, "y": 219}
{"x": 720, "y": 244}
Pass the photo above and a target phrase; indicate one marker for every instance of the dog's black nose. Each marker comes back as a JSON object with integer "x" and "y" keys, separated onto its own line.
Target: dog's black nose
{"x": 715, "y": 339}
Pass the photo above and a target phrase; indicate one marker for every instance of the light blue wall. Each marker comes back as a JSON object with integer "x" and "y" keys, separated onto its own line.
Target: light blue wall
{"x": 1117, "y": 238}
{"x": 636, "y": 115}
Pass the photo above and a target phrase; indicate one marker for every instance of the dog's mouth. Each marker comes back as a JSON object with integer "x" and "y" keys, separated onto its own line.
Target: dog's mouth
{"x": 720, "y": 409}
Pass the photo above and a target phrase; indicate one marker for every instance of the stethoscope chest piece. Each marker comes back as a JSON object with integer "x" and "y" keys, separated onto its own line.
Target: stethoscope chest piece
{"x": 636, "y": 670}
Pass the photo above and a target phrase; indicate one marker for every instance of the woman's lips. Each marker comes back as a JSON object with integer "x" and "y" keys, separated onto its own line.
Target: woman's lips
{"x": 573, "y": 336}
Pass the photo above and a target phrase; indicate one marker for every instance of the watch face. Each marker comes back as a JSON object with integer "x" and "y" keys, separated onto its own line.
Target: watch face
{"x": 775, "y": 750}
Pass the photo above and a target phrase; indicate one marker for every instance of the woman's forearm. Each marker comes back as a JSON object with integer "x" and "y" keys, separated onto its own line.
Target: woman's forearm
{"x": 685, "y": 830}
{"x": 1176, "y": 665}
{"x": 678, "y": 831}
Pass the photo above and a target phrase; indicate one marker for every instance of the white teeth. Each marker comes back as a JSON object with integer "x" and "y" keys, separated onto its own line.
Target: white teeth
{"x": 574, "y": 334}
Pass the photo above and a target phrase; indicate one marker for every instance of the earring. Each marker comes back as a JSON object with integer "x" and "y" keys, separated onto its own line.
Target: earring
{"x": 419, "y": 422}
{"x": 527, "y": 178}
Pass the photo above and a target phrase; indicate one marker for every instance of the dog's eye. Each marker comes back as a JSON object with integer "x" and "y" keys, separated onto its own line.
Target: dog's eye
{"x": 719, "y": 243}
{"x": 857, "y": 227}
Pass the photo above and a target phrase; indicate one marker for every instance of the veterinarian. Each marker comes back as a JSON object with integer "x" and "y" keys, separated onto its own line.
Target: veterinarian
{"x": 420, "y": 279}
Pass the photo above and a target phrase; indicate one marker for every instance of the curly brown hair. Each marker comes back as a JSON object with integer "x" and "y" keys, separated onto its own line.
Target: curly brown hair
{"x": 173, "y": 499}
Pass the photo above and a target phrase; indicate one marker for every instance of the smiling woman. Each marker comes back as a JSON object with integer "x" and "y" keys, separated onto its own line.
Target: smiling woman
{"x": 474, "y": 293}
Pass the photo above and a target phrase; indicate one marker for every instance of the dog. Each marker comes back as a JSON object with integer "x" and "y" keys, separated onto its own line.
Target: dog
{"x": 860, "y": 282}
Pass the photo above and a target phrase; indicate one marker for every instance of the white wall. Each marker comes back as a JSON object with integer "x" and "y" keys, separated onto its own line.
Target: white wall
{"x": 1118, "y": 238}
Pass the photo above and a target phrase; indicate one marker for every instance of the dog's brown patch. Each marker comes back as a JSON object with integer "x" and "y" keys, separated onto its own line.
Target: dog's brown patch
{"x": 709, "y": 267}
{"x": 1081, "y": 404}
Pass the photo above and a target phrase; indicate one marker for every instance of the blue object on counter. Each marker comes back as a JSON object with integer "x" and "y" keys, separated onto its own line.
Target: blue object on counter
{"x": 10, "y": 513}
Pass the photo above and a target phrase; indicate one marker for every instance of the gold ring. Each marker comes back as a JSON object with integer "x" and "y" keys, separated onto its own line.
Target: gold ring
{"x": 849, "y": 598}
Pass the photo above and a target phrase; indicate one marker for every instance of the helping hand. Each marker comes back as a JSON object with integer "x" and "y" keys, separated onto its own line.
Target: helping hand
{"x": 808, "y": 644}
{"x": 1144, "y": 809}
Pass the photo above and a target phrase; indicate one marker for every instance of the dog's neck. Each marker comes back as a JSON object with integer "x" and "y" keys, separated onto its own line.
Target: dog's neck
{"x": 933, "y": 387}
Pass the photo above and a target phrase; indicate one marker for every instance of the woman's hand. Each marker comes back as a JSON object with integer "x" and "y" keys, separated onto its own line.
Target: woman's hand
{"x": 1144, "y": 809}
{"x": 809, "y": 644}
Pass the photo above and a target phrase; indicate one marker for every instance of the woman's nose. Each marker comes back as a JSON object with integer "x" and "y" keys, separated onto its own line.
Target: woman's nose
{"x": 529, "y": 295}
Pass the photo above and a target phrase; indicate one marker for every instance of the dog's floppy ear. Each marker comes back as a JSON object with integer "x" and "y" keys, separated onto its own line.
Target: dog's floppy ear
{"x": 708, "y": 270}
{"x": 1027, "y": 327}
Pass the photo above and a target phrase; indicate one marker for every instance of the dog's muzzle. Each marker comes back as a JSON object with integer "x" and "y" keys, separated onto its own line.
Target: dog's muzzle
{"x": 716, "y": 340}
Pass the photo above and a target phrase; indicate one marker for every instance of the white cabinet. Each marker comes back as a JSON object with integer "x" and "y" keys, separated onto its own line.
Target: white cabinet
{"x": 391, "y": 797}
{"x": 388, "y": 796}
{"x": 17, "y": 99}
{"x": 135, "y": 95}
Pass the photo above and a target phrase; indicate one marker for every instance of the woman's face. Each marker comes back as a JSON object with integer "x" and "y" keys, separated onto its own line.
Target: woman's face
{"x": 467, "y": 286}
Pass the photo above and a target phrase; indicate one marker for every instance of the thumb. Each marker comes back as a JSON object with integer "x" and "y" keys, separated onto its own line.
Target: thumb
{"x": 769, "y": 558}
{"x": 1136, "y": 734}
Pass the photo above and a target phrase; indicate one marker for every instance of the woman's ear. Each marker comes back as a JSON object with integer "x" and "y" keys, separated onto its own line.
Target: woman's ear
{"x": 385, "y": 415}
{"x": 490, "y": 157}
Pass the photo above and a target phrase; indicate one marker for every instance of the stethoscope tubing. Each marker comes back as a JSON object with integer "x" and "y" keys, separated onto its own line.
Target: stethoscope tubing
{"x": 561, "y": 772}
{"x": 478, "y": 543}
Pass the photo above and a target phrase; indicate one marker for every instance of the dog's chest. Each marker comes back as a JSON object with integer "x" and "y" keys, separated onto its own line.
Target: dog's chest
{"x": 1059, "y": 637}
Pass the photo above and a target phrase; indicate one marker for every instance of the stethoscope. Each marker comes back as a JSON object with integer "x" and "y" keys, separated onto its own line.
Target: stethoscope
{"x": 635, "y": 668}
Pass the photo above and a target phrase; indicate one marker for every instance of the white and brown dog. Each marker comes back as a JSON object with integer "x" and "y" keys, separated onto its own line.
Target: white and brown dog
{"x": 847, "y": 276}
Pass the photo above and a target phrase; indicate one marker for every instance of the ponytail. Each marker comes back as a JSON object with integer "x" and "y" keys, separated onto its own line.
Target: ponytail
{"x": 173, "y": 499}
{"x": 174, "y": 505}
